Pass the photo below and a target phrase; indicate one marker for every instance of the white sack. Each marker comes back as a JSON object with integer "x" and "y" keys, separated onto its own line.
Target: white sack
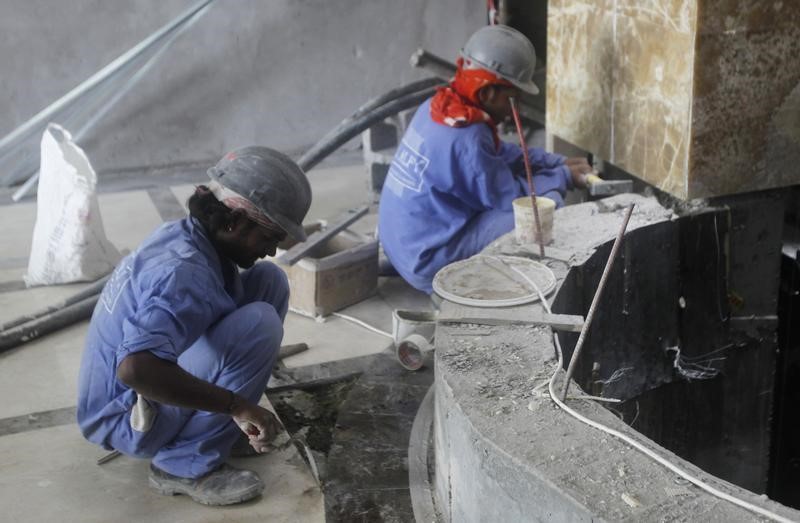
{"x": 69, "y": 243}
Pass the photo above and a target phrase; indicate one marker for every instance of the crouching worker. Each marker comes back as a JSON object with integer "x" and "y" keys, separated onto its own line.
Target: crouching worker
{"x": 449, "y": 188}
{"x": 181, "y": 344}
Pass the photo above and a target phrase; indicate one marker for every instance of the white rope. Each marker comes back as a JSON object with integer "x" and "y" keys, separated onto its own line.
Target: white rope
{"x": 693, "y": 370}
{"x": 639, "y": 446}
{"x": 616, "y": 376}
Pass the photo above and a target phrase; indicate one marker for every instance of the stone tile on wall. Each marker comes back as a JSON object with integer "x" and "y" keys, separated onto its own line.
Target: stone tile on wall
{"x": 579, "y": 68}
{"x": 646, "y": 144}
{"x": 653, "y": 62}
{"x": 674, "y": 15}
{"x": 722, "y": 158}
{"x": 587, "y": 129}
{"x": 652, "y": 99}
{"x": 703, "y": 97}
{"x": 720, "y": 16}
{"x": 746, "y": 113}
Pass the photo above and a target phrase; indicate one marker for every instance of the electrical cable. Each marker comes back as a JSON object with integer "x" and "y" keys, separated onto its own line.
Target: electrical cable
{"x": 362, "y": 324}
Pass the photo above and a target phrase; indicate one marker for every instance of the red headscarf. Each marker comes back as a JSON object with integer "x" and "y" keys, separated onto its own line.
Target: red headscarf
{"x": 457, "y": 104}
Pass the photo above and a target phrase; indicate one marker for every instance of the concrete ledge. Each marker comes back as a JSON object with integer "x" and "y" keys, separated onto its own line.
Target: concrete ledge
{"x": 505, "y": 453}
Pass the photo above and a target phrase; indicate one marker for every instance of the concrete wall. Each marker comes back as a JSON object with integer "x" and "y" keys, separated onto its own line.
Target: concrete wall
{"x": 279, "y": 73}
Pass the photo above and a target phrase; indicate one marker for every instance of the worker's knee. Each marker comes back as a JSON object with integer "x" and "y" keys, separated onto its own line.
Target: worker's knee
{"x": 260, "y": 327}
{"x": 266, "y": 282}
{"x": 273, "y": 276}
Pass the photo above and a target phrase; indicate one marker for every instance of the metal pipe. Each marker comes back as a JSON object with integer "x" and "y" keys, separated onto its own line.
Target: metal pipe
{"x": 41, "y": 119}
{"x": 91, "y": 290}
{"x": 350, "y": 128}
{"x": 45, "y": 325}
{"x": 309, "y": 157}
{"x": 588, "y": 322}
{"x": 433, "y": 63}
{"x": 394, "y": 94}
{"x": 528, "y": 173}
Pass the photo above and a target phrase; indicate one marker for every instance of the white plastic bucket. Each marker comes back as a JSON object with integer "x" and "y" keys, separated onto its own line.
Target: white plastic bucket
{"x": 525, "y": 222}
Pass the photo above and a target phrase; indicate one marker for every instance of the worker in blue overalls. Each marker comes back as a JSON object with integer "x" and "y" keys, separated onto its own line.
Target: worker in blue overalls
{"x": 181, "y": 344}
{"x": 449, "y": 189}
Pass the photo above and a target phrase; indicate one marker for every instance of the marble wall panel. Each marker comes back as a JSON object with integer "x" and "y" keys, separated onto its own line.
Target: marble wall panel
{"x": 653, "y": 146}
{"x": 579, "y": 68}
{"x": 745, "y": 116}
{"x": 653, "y": 62}
{"x": 675, "y": 15}
{"x": 703, "y": 97}
{"x": 720, "y": 16}
{"x": 652, "y": 100}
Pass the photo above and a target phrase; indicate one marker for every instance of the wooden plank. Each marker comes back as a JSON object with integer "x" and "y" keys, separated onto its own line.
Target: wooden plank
{"x": 300, "y": 250}
{"x": 482, "y": 316}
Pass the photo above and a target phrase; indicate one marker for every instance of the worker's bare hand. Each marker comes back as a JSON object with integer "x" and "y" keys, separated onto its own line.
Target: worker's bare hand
{"x": 260, "y": 425}
{"x": 578, "y": 168}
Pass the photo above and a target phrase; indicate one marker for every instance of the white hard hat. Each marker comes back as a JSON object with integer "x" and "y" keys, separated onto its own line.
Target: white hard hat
{"x": 505, "y": 52}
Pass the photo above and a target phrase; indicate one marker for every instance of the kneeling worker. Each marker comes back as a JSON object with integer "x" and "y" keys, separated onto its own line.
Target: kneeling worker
{"x": 449, "y": 189}
{"x": 181, "y": 344}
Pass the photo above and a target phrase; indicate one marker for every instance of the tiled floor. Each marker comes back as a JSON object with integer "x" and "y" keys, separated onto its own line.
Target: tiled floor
{"x": 48, "y": 472}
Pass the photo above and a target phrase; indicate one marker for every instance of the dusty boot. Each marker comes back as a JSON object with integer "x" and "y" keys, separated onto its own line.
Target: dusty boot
{"x": 224, "y": 486}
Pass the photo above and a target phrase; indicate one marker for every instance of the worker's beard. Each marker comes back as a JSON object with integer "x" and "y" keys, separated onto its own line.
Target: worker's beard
{"x": 237, "y": 253}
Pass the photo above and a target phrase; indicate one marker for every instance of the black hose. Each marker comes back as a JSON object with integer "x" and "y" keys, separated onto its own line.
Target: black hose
{"x": 90, "y": 290}
{"x": 45, "y": 325}
{"x": 352, "y": 127}
{"x": 376, "y": 102}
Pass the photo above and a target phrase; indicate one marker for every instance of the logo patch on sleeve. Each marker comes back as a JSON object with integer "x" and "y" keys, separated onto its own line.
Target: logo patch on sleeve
{"x": 408, "y": 167}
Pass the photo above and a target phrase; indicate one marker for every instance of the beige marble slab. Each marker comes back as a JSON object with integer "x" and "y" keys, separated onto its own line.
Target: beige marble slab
{"x": 698, "y": 98}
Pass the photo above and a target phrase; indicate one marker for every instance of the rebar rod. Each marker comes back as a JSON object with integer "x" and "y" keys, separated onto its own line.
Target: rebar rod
{"x": 588, "y": 321}
{"x": 537, "y": 233}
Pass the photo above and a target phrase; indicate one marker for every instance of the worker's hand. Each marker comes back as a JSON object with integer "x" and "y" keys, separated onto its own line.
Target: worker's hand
{"x": 260, "y": 425}
{"x": 579, "y": 168}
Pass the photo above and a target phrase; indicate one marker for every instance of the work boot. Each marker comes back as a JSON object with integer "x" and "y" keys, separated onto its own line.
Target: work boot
{"x": 224, "y": 486}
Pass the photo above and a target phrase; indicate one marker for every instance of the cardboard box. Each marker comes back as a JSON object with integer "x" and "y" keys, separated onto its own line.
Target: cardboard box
{"x": 339, "y": 273}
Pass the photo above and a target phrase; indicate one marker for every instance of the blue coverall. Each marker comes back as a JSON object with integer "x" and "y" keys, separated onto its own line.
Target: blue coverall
{"x": 448, "y": 194}
{"x": 176, "y": 298}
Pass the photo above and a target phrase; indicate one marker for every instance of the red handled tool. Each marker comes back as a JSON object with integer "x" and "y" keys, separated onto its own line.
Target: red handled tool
{"x": 538, "y": 232}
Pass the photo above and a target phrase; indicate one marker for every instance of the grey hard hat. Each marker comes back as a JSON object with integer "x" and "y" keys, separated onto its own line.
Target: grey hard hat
{"x": 505, "y": 52}
{"x": 271, "y": 181}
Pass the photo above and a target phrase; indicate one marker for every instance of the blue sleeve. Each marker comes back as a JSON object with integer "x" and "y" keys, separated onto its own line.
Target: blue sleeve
{"x": 550, "y": 175}
{"x": 539, "y": 158}
{"x": 484, "y": 179}
{"x": 173, "y": 311}
{"x": 557, "y": 180}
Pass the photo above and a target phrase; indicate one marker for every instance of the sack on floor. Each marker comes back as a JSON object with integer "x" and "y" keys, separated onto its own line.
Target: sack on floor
{"x": 69, "y": 243}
